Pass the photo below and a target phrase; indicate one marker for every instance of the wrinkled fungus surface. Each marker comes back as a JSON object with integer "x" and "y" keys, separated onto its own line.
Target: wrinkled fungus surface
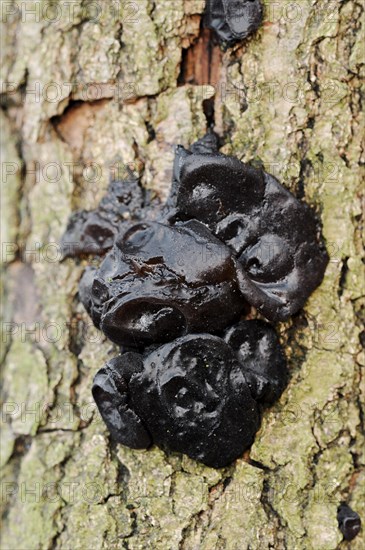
{"x": 190, "y": 395}
{"x": 160, "y": 282}
{"x": 274, "y": 236}
{"x": 258, "y": 349}
{"x": 94, "y": 232}
{"x": 233, "y": 20}
{"x": 171, "y": 291}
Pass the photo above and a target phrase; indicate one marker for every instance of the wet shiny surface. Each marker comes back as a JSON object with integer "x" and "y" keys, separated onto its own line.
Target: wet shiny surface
{"x": 192, "y": 397}
{"x": 349, "y": 522}
{"x": 233, "y": 20}
{"x": 197, "y": 394}
{"x": 160, "y": 282}
{"x": 275, "y": 237}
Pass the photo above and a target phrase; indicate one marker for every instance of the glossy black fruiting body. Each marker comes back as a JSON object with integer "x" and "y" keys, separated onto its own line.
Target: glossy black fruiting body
{"x": 229, "y": 236}
{"x": 161, "y": 282}
{"x": 94, "y": 232}
{"x": 110, "y": 392}
{"x": 258, "y": 350}
{"x": 196, "y": 394}
{"x": 191, "y": 396}
{"x": 233, "y": 20}
{"x": 274, "y": 236}
{"x": 349, "y": 522}
{"x": 196, "y": 400}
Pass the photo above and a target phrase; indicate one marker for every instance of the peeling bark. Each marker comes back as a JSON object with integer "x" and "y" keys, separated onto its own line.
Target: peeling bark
{"x": 288, "y": 98}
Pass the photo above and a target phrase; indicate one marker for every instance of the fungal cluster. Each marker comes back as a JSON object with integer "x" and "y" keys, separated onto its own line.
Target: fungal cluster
{"x": 173, "y": 291}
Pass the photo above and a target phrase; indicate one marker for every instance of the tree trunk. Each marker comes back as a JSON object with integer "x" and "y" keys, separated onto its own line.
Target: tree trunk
{"x": 89, "y": 87}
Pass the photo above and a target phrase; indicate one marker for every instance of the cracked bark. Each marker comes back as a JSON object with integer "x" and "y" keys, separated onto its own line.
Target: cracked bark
{"x": 289, "y": 98}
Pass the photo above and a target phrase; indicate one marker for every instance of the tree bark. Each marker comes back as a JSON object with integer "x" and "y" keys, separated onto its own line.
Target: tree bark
{"x": 88, "y": 86}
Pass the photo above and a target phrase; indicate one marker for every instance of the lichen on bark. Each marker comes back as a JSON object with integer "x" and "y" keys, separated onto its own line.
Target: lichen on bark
{"x": 288, "y": 98}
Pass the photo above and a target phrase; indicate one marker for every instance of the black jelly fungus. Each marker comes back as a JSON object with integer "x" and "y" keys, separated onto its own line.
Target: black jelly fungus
{"x": 275, "y": 237}
{"x": 110, "y": 392}
{"x": 191, "y": 395}
{"x": 233, "y": 20}
{"x": 196, "y": 395}
{"x": 93, "y": 232}
{"x": 160, "y": 282}
{"x": 213, "y": 186}
{"x": 262, "y": 358}
{"x": 171, "y": 289}
{"x": 349, "y": 522}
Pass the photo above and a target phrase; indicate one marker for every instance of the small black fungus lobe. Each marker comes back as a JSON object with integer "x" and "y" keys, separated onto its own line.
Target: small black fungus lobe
{"x": 111, "y": 396}
{"x": 349, "y": 522}
{"x": 233, "y": 20}
{"x": 259, "y": 351}
{"x": 94, "y": 232}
